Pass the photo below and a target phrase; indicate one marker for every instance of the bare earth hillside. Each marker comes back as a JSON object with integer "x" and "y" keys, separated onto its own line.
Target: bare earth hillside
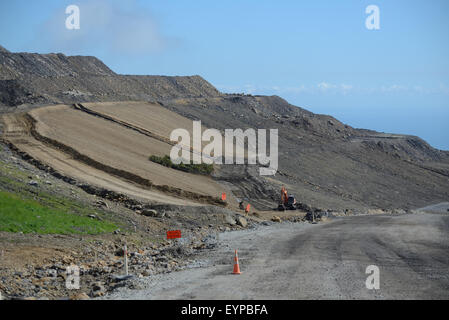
{"x": 324, "y": 162}
{"x": 97, "y": 148}
{"x": 77, "y": 185}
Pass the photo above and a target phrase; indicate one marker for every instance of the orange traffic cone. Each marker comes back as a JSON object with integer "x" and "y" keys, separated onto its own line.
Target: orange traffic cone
{"x": 236, "y": 264}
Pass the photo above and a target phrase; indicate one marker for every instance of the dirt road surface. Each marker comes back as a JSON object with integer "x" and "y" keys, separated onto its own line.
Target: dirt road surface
{"x": 321, "y": 261}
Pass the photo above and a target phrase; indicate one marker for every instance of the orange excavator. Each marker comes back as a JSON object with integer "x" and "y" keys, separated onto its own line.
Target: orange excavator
{"x": 287, "y": 201}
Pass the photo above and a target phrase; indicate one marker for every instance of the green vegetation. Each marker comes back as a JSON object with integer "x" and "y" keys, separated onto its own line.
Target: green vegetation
{"x": 28, "y": 216}
{"x": 202, "y": 168}
{"x": 27, "y": 209}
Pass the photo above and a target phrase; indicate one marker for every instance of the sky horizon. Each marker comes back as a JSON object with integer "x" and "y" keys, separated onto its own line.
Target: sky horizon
{"x": 318, "y": 55}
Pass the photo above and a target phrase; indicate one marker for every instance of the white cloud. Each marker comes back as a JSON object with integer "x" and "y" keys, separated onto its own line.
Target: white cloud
{"x": 324, "y": 86}
{"x": 393, "y": 88}
{"x": 342, "y": 88}
{"x": 108, "y": 26}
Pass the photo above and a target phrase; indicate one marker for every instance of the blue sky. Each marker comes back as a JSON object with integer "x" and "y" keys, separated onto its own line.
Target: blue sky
{"x": 316, "y": 54}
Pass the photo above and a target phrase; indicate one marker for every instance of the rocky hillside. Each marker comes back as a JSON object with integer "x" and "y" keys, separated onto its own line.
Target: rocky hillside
{"x": 3, "y": 49}
{"x": 324, "y": 162}
{"x": 30, "y": 78}
{"x": 24, "y": 65}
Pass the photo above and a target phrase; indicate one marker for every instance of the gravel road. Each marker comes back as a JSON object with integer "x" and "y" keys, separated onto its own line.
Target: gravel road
{"x": 317, "y": 261}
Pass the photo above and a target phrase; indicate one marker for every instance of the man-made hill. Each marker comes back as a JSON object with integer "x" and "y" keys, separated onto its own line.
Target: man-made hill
{"x": 30, "y": 78}
{"x": 322, "y": 161}
{"x": 23, "y": 65}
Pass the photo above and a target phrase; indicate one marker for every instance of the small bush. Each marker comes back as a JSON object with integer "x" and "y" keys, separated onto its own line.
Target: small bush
{"x": 202, "y": 168}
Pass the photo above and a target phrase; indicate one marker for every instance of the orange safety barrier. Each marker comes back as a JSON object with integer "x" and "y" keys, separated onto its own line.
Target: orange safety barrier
{"x": 173, "y": 234}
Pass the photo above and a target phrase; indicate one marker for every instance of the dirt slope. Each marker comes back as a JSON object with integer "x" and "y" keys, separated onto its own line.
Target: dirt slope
{"x": 118, "y": 147}
{"x": 17, "y": 132}
{"x": 149, "y": 116}
{"x": 324, "y": 162}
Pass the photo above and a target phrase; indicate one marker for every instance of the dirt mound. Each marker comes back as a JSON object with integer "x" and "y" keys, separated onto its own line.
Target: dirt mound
{"x": 22, "y": 65}
{"x": 58, "y": 78}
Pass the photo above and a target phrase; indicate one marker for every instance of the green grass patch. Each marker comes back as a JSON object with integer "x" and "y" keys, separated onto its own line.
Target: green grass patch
{"x": 27, "y": 216}
{"x": 202, "y": 168}
{"x": 63, "y": 204}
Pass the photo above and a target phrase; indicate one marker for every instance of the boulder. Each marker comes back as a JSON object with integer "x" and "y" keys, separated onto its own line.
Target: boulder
{"x": 80, "y": 296}
{"x": 98, "y": 289}
{"x": 276, "y": 219}
{"x": 242, "y": 222}
{"x": 153, "y": 213}
{"x": 120, "y": 278}
{"x": 146, "y": 273}
{"x": 149, "y": 213}
{"x": 230, "y": 220}
{"x": 33, "y": 183}
{"x": 97, "y": 294}
{"x": 98, "y": 286}
{"x": 102, "y": 203}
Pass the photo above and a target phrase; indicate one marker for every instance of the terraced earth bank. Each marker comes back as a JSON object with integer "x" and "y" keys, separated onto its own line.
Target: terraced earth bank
{"x": 111, "y": 154}
{"x": 108, "y": 144}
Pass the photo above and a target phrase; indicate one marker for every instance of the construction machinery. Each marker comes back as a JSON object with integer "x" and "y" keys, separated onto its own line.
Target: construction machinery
{"x": 288, "y": 202}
